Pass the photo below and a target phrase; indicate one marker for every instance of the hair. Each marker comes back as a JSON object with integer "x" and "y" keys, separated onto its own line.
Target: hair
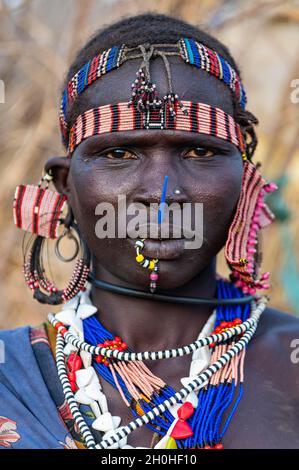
{"x": 131, "y": 31}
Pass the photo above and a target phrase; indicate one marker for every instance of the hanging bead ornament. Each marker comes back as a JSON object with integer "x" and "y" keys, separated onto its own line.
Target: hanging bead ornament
{"x": 252, "y": 214}
{"x": 144, "y": 93}
{"x": 149, "y": 263}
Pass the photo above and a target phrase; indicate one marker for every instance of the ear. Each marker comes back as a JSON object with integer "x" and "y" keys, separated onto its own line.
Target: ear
{"x": 59, "y": 167}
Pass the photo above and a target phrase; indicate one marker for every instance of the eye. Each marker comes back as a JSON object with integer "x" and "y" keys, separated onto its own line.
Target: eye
{"x": 119, "y": 154}
{"x": 200, "y": 152}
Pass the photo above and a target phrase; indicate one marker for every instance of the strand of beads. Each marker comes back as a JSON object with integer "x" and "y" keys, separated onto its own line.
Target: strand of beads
{"x": 147, "y": 263}
{"x": 61, "y": 329}
{"x": 166, "y": 353}
{"x": 251, "y": 246}
{"x": 198, "y": 382}
{"x": 89, "y": 391}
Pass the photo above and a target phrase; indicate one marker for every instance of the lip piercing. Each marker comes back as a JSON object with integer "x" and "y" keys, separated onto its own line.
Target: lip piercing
{"x": 145, "y": 262}
{"x": 176, "y": 191}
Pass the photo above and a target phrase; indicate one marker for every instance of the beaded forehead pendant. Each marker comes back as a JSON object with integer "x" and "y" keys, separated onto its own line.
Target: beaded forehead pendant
{"x": 147, "y": 110}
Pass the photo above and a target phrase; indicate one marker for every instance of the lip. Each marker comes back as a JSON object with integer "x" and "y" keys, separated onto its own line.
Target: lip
{"x": 163, "y": 249}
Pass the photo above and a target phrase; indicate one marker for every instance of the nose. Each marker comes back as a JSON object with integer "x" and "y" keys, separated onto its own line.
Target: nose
{"x": 152, "y": 193}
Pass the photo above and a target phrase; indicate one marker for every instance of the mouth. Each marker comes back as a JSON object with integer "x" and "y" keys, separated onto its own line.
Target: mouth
{"x": 162, "y": 249}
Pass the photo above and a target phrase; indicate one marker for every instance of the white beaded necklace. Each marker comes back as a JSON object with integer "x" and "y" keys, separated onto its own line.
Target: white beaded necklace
{"x": 90, "y": 391}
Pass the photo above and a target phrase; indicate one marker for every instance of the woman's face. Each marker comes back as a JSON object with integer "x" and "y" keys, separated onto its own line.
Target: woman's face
{"x": 206, "y": 169}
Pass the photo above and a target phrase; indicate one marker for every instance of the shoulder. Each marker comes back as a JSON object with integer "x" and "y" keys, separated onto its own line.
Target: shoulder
{"x": 276, "y": 324}
{"x": 11, "y": 337}
{"x": 16, "y": 347}
{"x": 275, "y": 347}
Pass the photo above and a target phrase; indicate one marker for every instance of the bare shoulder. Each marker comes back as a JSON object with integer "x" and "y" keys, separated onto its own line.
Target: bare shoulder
{"x": 279, "y": 325}
{"x": 276, "y": 346}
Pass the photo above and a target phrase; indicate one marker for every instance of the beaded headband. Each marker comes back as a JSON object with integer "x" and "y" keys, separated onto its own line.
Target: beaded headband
{"x": 144, "y": 92}
{"x": 201, "y": 118}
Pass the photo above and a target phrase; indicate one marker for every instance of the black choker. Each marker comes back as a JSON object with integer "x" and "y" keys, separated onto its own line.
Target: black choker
{"x": 166, "y": 297}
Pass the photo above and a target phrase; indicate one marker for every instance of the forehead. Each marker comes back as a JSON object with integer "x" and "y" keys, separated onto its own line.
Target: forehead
{"x": 188, "y": 82}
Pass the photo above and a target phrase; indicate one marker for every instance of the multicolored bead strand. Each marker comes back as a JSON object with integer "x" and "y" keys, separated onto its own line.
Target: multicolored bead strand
{"x": 144, "y": 93}
{"x": 145, "y": 262}
{"x": 202, "y": 118}
{"x": 222, "y": 377}
{"x": 252, "y": 214}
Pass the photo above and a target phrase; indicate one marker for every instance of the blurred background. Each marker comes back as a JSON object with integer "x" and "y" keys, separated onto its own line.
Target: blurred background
{"x": 38, "y": 40}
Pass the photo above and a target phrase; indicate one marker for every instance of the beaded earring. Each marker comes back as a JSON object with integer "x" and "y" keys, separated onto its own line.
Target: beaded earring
{"x": 39, "y": 211}
{"x": 145, "y": 262}
{"x": 252, "y": 214}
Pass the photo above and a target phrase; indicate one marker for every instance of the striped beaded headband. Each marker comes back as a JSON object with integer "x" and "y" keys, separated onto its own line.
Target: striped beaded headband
{"x": 189, "y": 50}
{"x": 202, "y": 118}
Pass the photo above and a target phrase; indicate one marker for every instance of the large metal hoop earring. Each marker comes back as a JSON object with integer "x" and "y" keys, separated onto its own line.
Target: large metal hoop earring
{"x": 67, "y": 232}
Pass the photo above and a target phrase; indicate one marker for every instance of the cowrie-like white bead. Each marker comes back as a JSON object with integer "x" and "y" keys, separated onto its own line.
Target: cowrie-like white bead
{"x": 86, "y": 358}
{"x": 192, "y": 398}
{"x": 72, "y": 303}
{"x": 85, "y": 311}
{"x": 66, "y": 316}
{"x": 84, "y": 377}
{"x": 82, "y": 397}
{"x": 95, "y": 408}
{"x": 93, "y": 390}
{"x": 202, "y": 353}
{"x": 197, "y": 366}
{"x": 84, "y": 298}
{"x": 103, "y": 403}
{"x": 69, "y": 348}
{"x": 104, "y": 422}
{"x": 116, "y": 421}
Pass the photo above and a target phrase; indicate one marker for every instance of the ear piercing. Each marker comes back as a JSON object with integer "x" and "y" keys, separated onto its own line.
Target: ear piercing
{"x": 145, "y": 262}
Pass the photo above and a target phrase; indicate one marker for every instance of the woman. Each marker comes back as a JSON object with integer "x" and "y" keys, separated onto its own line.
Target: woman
{"x": 201, "y": 154}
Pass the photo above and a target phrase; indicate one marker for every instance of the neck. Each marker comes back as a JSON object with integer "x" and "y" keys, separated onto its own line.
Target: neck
{"x": 152, "y": 325}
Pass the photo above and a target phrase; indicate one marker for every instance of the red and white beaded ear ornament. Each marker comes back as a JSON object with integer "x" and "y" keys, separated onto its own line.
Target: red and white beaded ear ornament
{"x": 252, "y": 214}
{"x": 39, "y": 211}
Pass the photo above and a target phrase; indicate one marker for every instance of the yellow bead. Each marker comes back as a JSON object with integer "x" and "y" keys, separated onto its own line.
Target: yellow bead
{"x": 171, "y": 444}
{"x": 139, "y": 410}
{"x": 139, "y": 258}
{"x": 151, "y": 265}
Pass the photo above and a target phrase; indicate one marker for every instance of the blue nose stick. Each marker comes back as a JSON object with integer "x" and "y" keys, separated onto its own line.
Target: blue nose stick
{"x": 162, "y": 202}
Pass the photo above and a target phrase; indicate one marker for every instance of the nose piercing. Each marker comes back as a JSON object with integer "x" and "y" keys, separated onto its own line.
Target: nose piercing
{"x": 176, "y": 191}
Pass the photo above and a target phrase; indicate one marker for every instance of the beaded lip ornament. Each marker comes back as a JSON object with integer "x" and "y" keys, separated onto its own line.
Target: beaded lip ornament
{"x": 198, "y": 415}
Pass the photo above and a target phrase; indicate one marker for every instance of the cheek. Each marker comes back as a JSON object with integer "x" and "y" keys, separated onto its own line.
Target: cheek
{"x": 222, "y": 192}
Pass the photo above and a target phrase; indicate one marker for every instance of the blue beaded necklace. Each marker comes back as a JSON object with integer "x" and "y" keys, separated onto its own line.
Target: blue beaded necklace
{"x": 209, "y": 421}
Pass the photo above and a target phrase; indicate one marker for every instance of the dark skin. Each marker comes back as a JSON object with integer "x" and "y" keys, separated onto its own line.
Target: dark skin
{"x": 207, "y": 170}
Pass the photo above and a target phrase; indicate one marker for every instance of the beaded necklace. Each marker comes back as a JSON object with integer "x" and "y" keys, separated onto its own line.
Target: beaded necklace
{"x": 190, "y": 418}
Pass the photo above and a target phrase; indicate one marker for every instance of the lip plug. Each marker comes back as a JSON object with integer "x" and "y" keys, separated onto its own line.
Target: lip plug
{"x": 162, "y": 201}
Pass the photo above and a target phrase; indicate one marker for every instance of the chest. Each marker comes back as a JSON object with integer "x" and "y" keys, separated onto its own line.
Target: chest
{"x": 266, "y": 417}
